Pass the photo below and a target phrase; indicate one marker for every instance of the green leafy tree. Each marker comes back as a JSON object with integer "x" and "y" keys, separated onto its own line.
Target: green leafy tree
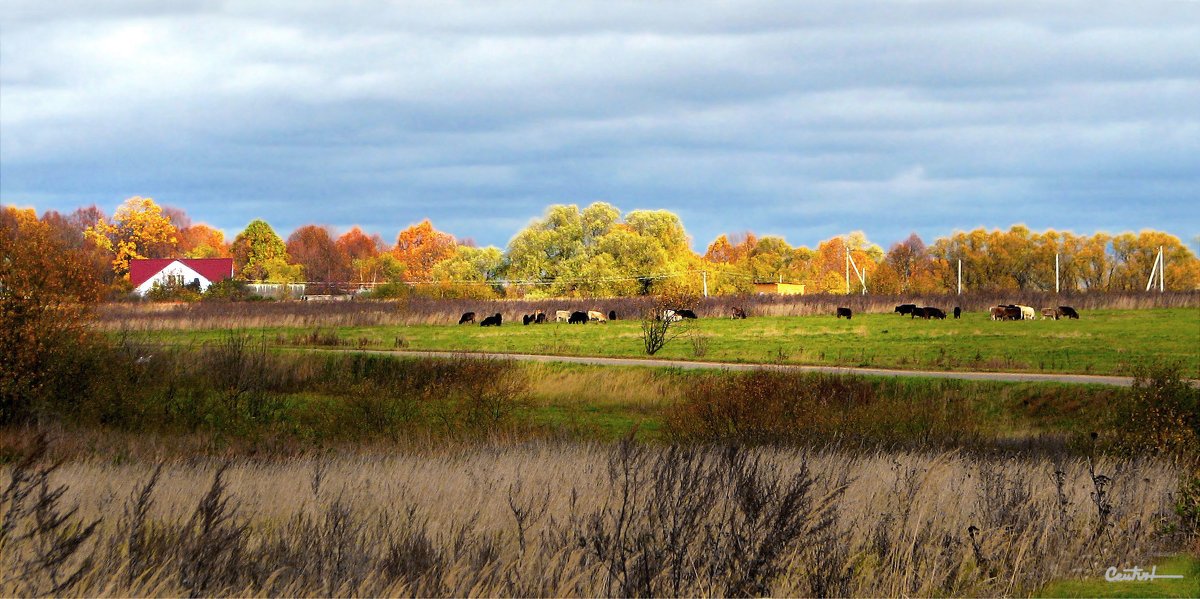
{"x": 260, "y": 255}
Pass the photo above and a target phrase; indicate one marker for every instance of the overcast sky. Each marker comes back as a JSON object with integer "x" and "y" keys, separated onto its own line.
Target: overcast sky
{"x": 800, "y": 119}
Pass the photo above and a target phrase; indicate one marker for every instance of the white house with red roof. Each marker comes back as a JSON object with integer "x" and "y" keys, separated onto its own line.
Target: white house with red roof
{"x": 144, "y": 274}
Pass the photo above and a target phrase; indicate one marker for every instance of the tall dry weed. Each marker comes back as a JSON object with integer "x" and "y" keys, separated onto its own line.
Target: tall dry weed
{"x": 627, "y": 519}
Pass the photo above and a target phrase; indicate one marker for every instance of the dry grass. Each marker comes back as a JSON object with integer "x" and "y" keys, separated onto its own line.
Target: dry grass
{"x": 423, "y": 311}
{"x": 564, "y": 519}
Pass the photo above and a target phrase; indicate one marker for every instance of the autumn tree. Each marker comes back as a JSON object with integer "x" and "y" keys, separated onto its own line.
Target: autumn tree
{"x": 420, "y": 247}
{"x": 260, "y": 255}
{"x": 138, "y": 230}
{"x": 46, "y": 287}
{"x": 202, "y": 241}
{"x": 1135, "y": 256}
{"x": 70, "y": 230}
{"x": 323, "y": 261}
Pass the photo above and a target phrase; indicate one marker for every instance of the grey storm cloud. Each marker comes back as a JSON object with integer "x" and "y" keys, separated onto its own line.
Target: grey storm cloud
{"x": 800, "y": 119}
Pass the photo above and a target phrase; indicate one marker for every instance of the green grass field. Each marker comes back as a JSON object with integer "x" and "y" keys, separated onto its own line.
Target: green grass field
{"x": 1103, "y": 342}
{"x": 1181, "y": 565}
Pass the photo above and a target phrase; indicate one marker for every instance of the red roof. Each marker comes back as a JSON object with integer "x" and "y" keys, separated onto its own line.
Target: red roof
{"x": 213, "y": 269}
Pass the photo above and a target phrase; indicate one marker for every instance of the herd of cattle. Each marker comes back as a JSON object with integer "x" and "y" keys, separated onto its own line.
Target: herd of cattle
{"x": 581, "y": 317}
{"x": 1007, "y": 312}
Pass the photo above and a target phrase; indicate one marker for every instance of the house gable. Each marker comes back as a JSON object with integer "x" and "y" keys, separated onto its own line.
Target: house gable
{"x": 143, "y": 274}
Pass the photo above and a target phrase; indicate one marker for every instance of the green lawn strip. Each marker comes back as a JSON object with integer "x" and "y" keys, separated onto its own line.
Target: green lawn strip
{"x": 1104, "y": 342}
{"x": 1097, "y": 586}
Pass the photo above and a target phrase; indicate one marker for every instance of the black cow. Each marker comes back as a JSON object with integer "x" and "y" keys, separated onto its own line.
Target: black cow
{"x": 1012, "y": 312}
{"x": 578, "y": 318}
{"x": 844, "y": 312}
{"x": 931, "y": 312}
{"x": 612, "y": 314}
{"x": 906, "y": 308}
{"x": 686, "y": 314}
{"x": 491, "y": 321}
{"x": 918, "y": 312}
{"x": 738, "y": 313}
{"x": 957, "y": 311}
{"x": 528, "y": 318}
{"x": 540, "y": 318}
{"x": 1069, "y": 312}
{"x": 467, "y": 317}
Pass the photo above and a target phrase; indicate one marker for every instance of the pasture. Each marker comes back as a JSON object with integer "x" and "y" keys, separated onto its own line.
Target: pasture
{"x": 1103, "y": 342}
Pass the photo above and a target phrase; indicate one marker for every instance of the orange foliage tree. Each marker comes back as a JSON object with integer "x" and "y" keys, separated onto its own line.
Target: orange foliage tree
{"x": 420, "y": 247}
{"x": 45, "y": 290}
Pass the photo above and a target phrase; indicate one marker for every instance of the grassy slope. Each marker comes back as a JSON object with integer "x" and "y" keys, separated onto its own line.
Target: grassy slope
{"x": 1103, "y": 342}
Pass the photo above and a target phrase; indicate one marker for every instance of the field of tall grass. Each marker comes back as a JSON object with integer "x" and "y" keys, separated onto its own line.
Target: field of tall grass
{"x": 558, "y": 518}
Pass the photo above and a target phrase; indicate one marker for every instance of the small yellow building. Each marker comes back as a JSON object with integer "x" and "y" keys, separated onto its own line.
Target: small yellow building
{"x": 779, "y": 288}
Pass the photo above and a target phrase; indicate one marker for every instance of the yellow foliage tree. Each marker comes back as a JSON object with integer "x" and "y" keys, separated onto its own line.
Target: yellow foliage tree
{"x": 139, "y": 229}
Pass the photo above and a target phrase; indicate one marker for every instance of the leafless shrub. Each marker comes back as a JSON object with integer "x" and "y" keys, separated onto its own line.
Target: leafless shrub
{"x": 688, "y": 518}
{"x": 212, "y": 543}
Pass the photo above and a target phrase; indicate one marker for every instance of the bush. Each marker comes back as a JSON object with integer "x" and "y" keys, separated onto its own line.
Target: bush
{"x": 1161, "y": 414}
{"x": 771, "y": 407}
{"x": 228, "y": 290}
{"x": 172, "y": 292}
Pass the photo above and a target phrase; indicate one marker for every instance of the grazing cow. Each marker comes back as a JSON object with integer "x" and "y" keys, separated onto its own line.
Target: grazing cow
{"x": 998, "y": 312}
{"x": 903, "y": 309}
{"x": 844, "y": 312}
{"x": 686, "y": 314}
{"x": 918, "y": 312}
{"x": 957, "y": 311}
{"x": 1069, "y": 312}
{"x": 1050, "y": 313}
{"x": 578, "y": 318}
{"x": 1012, "y": 312}
{"x": 540, "y": 318}
{"x": 612, "y": 314}
{"x": 491, "y": 321}
{"x": 1027, "y": 312}
{"x": 467, "y": 317}
{"x": 528, "y": 318}
{"x": 597, "y": 316}
{"x": 670, "y": 316}
{"x": 562, "y": 316}
{"x": 738, "y": 313}
{"x": 931, "y": 312}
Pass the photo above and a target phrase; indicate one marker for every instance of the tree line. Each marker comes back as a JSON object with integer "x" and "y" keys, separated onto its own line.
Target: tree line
{"x": 598, "y": 251}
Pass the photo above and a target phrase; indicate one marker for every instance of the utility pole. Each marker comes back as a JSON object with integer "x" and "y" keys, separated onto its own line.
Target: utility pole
{"x": 960, "y": 276}
{"x": 1055, "y": 273}
{"x": 1162, "y": 271}
{"x": 1157, "y": 270}
{"x": 705, "y": 274}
